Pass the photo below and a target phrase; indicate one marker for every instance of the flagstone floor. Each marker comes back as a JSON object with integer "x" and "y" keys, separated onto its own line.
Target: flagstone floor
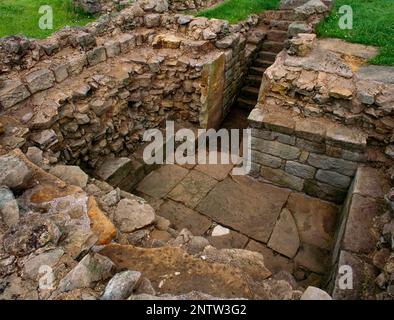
{"x": 293, "y": 231}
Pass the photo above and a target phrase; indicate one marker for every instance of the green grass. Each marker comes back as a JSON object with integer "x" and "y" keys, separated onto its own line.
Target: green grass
{"x": 21, "y": 17}
{"x": 238, "y": 10}
{"x": 373, "y": 24}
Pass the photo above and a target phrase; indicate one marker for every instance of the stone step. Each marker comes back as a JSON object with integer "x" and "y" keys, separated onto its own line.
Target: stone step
{"x": 277, "y": 35}
{"x": 262, "y": 63}
{"x": 280, "y": 24}
{"x": 267, "y": 56}
{"x": 288, "y": 15}
{"x": 250, "y": 92}
{"x": 247, "y": 104}
{"x": 253, "y": 80}
{"x": 273, "y": 46}
{"x": 257, "y": 71}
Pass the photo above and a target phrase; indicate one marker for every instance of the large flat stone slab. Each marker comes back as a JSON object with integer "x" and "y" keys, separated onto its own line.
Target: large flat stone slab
{"x": 183, "y": 217}
{"x": 245, "y": 205}
{"x": 315, "y": 219}
{"x": 192, "y": 188}
{"x": 161, "y": 181}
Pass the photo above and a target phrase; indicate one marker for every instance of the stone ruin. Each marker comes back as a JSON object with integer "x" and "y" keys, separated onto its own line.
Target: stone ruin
{"x": 322, "y": 144}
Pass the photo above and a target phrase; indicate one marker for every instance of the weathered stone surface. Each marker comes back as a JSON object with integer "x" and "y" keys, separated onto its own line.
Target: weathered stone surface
{"x": 285, "y": 238}
{"x": 91, "y": 269}
{"x": 313, "y": 293}
{"x": 363, "y": 278}
{"x": 230, "y": 240}
{"x": 192, "y": 273}
{"x": 266, "y": 159}
{"x": 275, "y": 148}
{"x": 121, "y": 285}
{"x": 14, "y": 173}
{"x": 45, "y": 139}
{"x": 251, "y": 263}
{"x": 40, "y": 80}
{"x": 31, "y": 233}
{"x": 312, "y": 258}
{"x": 370, "y": 182}
{"x": 300, "y": 170}
{"x": 50, "y": 258}
{"x": 272, "y": 260}
{"x": 96, "y": 56}
{"x": 131, "y": 215}
{"x": 101, "y": 226}
{"x": 347, "y": 168}
{"x": 240, "y": 203}
{"x": 182, "y": 217}
{"x": 114, "y": 170}
{"x": 70, "y": 174}
{"x": 34, "y": 154}
{"x": 216, "y": 171}
{"x": 12, "y": 92}
{"x": 192, "y": 188}
{"x": 358, "y": 235}
{"x": 332, "y": 178}
{"x": 310, "y": 130}
{"x": 315, "y": 219}
{"x": 298, "y": 27}
{"x": 346, "y": 138}
{"x": 282, "y": 178}
{"x": 9, "y": 210}
{"x": 324, "y": 191}
{"x": 301, "y": 45}
{"x": 152, "y": 185}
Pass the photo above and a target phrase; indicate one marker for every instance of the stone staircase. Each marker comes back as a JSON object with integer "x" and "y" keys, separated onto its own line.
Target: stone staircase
{"x": 276, "y": 24}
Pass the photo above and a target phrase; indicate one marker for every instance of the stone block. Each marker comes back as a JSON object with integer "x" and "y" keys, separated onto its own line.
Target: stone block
{"x": 370, "y": 182}
{"x": 313, "y": 258}
{"x": 152, "y": 20}
{"x": 310, "y": 130}
{"x": 76, "y": 64}
{"x": 275, "y": 148}
{"x": 311, "y": 146}
{"x": 60, "y": 72}
{"x": 282, "y": 178}
{"x": 358, "y": 235}
{"x": 345, "y": 167}
{"x": 40, "y": 80}
{"x": 96, "y": 56}
{"x": 333, "y": 178}
{"x": 112, "y": 48}
{"x": 126, "y": 42}
{"x": 300, "y": 170}
{"x": 255, "y": 118}
{"x": 12, "y": 92}
{"x": 279, "y": 123}
{"x": 324, "y": 191}
{"x": 346, "y": 138}
{"x": 266, "y": 159}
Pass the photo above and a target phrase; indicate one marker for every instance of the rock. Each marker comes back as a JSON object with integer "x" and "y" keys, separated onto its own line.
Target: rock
{"x": 299, "y": 27}
{"x": 313, "y": 293}
{"x": 285, "y": 238}
{"x": 33, "y": 264}
{"x": 70, "y": 174}
{"x": 131, "y": 215}
{"x": 248, "y": 262}
{"x": 31, "y": 233}
{"x": 96, "y": 56}
{"x": 9, "y": 210}
{"x": 101, "y": 226}
{"x": 40, "y": 80}
{"x": 301, "y": 45}
{"x": 90, "y": 270}
{"x": 152, "y": 20}
{"x": 34, "y": 154}
{"x": 333, "y": 178}
{"x": 121, "y": 285}
{"x": 12, "y": 92}
{"x": 197, "y": 244}
{"x": 219, "y": 231}
{"x": 310, "y": 8}
{"x": 45, "y": 139}
{"x": 14, "y": 173}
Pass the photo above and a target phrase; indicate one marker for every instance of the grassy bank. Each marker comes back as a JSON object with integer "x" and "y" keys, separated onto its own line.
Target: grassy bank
{"x": 373, "y": 24}
{"x": 238, "y": 10}
{"x": 22, "y": 17}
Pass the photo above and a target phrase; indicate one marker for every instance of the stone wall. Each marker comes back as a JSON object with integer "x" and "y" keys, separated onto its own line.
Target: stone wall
{"x": 305, "y": 155}
{"x": 89, "y": 93}
{"x": 356, "y": 237}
